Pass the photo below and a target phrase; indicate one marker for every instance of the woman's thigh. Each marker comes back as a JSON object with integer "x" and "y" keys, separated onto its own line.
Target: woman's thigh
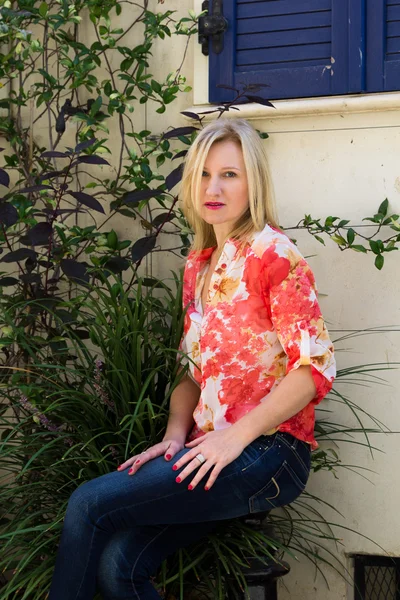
{"x": 152, "y": 496}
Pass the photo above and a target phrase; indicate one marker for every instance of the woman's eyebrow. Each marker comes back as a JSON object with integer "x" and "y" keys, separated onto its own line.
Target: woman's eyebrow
{"x": 223, "y": 168}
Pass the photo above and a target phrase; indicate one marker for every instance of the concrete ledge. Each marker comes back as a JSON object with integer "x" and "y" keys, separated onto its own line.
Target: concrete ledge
{"x": 357, "y": 103}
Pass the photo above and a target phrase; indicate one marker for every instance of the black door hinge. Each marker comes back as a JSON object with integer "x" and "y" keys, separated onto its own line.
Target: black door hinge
{"x": 212, "y": 26}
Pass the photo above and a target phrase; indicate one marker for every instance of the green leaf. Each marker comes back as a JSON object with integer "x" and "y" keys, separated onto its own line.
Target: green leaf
{"x": 384, "y": 207}
{"x": 112, "y": 240}
{"x": 374, "y": 246}
{"x": 43, "y": 9}
{"x": 338, "y": 239}
{"x": 96, "y": 106}
{"x": 156, "y": 86}
{"x": 351, "y": 234}
{"x": 124, "y": 244}
{"x": 379, "y": 260}
{"x": 359, "y": 249}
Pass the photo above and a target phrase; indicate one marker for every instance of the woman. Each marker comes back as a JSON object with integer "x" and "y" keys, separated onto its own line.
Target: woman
{"x": 241, "y": 422}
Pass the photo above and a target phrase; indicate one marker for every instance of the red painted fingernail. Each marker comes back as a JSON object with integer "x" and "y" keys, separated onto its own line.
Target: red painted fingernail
{"x": 119, "y": 468}
{"x": 168, "y": 456}
{"x": 130, "y": 472}
{"x": 178, "y": 480}
{"x": 137, "y": 462}
{"x": 174, "y": 468}
{"x": 190, "y": 487}
{"x": 206, "y": 488}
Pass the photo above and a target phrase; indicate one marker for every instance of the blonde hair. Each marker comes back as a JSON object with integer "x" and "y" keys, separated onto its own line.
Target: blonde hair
{"x": 261, "y": 202}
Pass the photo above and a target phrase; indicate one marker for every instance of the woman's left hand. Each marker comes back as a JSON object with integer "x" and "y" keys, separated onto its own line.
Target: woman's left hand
{"x": 219, "y": 448}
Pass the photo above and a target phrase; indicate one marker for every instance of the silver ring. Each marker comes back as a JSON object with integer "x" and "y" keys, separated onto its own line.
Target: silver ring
{"x": 201, "y": 458}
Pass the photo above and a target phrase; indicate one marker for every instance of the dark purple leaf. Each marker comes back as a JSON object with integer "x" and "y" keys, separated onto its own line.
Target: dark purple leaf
{"x": 125, "y": 212}
{"x": 35, "y": 188}
{"x": 116, "y": 264}
{"x": 142, "y": 247}
{"x": 25, "y": 240}
{"x": 162, "y": 218}
{"x": 19, "y": 254}
{"x": 174, "y": 177}
{"x": 179, "y": 131}
{"x": 65, "y": 316}
{"x": 1, "y": 149}
{"x": 152, "y": 282}
{"x": 30, "y": 278}
{"x": 54, "y": 154}
{"x": 51, "y": 175}
{"x": 7, "y": 281}
{"x": 84, "y": 145}
{"x": 8, "y": 214}
{"x": 39, "y": 234}
{"x": 30, "y": 264}
{"x": 64, "y": 187}
{"x": 138, "y": 195}
{"x": 87, "y": 201}
{"x": 208, "y": 112}
{"x": 226, "y": 87}
{"x": 4, "y": 178}
{"x": 75, "y": 271}
{"x": 93, "y": 159}
{"x": 82, "y": 334}
{"x": 259, "y": 100}
{"x": 47, "y": 265}
{"x": 180, "y": 154}
{"x": 191, "y": 115}
{"x": 227, "y": 107}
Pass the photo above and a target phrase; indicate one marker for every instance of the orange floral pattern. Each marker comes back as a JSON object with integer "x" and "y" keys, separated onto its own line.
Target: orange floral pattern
{"x": 261, "y": 320}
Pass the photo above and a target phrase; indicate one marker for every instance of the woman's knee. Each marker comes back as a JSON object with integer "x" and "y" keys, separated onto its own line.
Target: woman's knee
{"x": 82, "y": 500}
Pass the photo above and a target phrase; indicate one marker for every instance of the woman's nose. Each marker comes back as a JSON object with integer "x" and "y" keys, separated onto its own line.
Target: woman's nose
{"x": 213, "y": 187}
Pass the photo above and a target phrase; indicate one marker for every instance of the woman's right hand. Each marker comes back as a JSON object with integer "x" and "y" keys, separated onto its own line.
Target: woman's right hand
{"x": 168, "y": 447}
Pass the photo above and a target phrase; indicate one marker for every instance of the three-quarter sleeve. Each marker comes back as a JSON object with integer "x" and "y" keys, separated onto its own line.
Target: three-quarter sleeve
{"x": 291, "y": 294}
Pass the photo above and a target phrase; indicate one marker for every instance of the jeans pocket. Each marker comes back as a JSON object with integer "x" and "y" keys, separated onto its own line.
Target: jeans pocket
{"x": 283, "y": 488}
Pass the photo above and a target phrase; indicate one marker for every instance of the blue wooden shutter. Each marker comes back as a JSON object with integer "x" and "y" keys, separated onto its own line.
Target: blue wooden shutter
{"x": 300, "y": 48}
{"x": 383, "y": 45}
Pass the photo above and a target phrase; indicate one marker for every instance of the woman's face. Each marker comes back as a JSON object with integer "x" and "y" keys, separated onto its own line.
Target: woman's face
{"x": 224, "y": 192}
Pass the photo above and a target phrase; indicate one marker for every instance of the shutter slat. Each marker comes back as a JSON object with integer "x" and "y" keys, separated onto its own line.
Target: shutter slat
{"x": 282, "y": 55}
{"x": 279, "y": 23}
{"x": 284, "y": 38}
{"x": 267, "y": 69}
{"x": 393, "y": 29}
{"x": 393, "y": 46}
{"x": 280, "y": 7}
{"x": 393, "y": 13}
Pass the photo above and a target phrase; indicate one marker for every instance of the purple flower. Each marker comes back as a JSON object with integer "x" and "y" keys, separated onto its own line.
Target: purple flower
{"x": 41, "y": 419}
{"x": 99, "y": 366}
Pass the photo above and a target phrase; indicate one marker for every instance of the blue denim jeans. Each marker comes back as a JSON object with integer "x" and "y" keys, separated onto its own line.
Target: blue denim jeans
{"x": 118, "y": 528}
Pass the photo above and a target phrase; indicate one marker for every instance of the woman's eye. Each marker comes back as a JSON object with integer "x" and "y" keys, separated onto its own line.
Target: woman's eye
{"x": 204, "y": 174}
{"x": 230, "y": 174}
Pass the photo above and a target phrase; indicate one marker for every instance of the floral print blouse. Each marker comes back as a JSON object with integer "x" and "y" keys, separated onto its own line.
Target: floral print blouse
{"x": 261, "y": 320}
